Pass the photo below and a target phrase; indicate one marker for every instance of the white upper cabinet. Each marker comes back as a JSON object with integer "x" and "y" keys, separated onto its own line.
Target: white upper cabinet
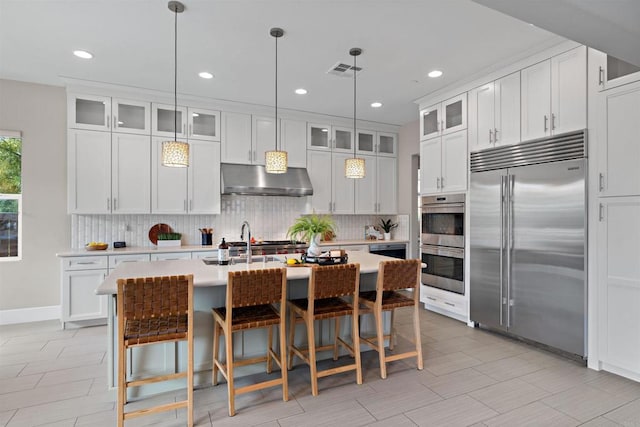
{"x": 343, "y": 188}
{"x": 366, "y": 142}
{"x": 236, "y": 138}
{"x": 203, "y": 124}
{"x": 328, "y": 137}
{"x": 165, "y": 117}
{"x": 89, "y": 172}
{"x": 319, "y": 168}
{"x": 130, "y": 174}
{"x": 443, "y": 118}
{"x": 443, "y": 164}
{"x": 377, "y": 191}
{"x": 554, "y": 95}
{"x": 168, "y": 184}
{"x": 619, "y": 141}
{"x": 89, "y": 112}
{"x": 366, "y": 191}
{"x": 263, "y": 138}
{"x": 131, "y": 116}
{"x": 319, "y": 136}
{"x": 494, "y": 113}
{"x": 293, "y": 138}
{"x": 204, "y": 177}
{"x": 387, "y": 144}
{"x": 611, "y": 71}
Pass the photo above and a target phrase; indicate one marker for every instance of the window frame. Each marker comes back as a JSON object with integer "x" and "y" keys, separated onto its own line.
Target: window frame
{"x": 18, "y": 197}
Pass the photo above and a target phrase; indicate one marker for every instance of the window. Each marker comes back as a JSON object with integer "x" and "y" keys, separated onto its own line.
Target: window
{"x": 10, "y": 195}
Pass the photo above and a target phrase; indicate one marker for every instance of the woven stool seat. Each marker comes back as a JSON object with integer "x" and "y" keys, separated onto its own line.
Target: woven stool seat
{"x": 325, "y": 308}
{"x": 332, "y": 293}
{"x": 390, "y": 299}
{"x": 142, "y": 331}
{"x": 153, "y": 310}
{"x": 257, "y": 316}
{"x": 255, "y": 299}
{"x": 393, "y": 276}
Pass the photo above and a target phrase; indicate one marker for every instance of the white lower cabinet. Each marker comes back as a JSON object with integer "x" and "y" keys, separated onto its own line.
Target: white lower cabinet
{"x": 444, "y": 302}
{"x": 81, "y": 276}
{"x": 170, "y": 256}
{"x": 619, "y": 284}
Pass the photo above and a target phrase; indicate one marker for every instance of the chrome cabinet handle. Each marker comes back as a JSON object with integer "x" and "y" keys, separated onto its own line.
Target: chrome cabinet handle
{"x": 431, "y": 298}
{"x": 108, "y": 122}
{"x": 495, "y": 135}
{"x": 115, "y": 122}
{"x": 553, "y": 121}
{"x": 183, "y": 132}
{"x": 255, "y": 155}
{"x": 329, "y": 206}
{"x": 601, "y": 213}
{"x": 442, "y": 182}
{"x": 108, "y": 204}
{"x": 601, "y": 182}
{"x": 490, "y": 136}
{"x": 450, "y": 303}
{"x": 249, "y": 155}
{"x": 546, "y": 119}
{"x": 600, "y": 76}
{"x": 442, "y": 125}
{"x": 184, "y": 205}
{"x": 191, "y": 204}
{"x": 115, "y": 204}
{"x": 438, "y": 183}
{"x": 190, "y": 129}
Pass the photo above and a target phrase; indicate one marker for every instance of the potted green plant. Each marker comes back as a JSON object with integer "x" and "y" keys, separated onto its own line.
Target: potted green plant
{"x": 169, "y": 239}
{"x": 311, "y": 228}
{"x": 387, "y": 226}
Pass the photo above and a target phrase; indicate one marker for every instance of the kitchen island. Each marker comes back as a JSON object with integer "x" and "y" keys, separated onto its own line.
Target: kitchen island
{"x": 210, "y": 289}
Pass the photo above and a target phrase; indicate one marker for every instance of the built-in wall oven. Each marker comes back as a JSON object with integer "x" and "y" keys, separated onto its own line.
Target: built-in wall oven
{"x": 442, "y": 242}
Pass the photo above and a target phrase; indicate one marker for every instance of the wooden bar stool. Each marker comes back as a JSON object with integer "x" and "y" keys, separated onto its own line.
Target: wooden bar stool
{"x": 327, "y": 287}
{"x": 154, "y": 310}
{"x": 249, "y": 305}
{"x": 394, "y": 276}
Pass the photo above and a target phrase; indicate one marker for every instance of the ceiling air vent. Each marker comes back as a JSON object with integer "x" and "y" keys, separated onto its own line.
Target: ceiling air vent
{"x": 343, "y": 70}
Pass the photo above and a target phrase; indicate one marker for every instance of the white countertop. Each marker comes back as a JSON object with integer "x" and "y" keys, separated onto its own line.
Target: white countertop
{"x": 216, "y": 275}
{"x": 198, "y": 248}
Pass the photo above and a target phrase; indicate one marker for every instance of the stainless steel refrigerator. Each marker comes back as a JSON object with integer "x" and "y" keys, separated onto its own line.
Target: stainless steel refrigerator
{"x": 528, "y": 240}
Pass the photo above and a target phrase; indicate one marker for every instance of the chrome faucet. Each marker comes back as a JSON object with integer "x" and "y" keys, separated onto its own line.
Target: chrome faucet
{"x": 246, "y": 223}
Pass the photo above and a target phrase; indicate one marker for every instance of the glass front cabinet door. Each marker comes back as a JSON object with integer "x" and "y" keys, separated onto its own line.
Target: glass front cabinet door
{"x": 131, "y": 116}
{"x": 89, "y": 112}
{"x": 387, "y": 144}
{"x": 164, "y": 118}
{"x": 366, "y": 142}
{"x": 203, "y": 124}
{"x": 430, "y": 122}
{"x": 342, "y": 139}
{"x": 319, "y": 136}
{"x": 454, "y": 114}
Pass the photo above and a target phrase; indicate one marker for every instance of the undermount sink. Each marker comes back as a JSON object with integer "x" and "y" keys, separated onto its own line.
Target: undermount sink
{"x": 241, "y": 259}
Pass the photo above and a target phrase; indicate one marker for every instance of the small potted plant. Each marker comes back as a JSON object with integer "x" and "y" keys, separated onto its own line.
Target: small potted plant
{"x": 311, "y": 228}
{"x": 387, "y": 226}
{"x": 169, "y": 239}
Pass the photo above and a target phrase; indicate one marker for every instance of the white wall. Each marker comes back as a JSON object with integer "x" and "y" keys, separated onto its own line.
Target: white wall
{"x": 39, "y": 112}
{"x": 408, "y": 145}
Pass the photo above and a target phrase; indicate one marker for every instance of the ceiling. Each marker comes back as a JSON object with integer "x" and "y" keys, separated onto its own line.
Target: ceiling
{"x": 611, "y": 26}
{"x": 132, "y": 43}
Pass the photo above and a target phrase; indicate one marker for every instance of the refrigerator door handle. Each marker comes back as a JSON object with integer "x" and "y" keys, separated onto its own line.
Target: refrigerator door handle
{"x": 502, "y": 208}
{"x": 510, "y": 243}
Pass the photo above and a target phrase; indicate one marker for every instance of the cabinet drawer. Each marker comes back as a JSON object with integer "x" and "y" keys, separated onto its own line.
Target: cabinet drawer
{"x": 204, "y": 254}
{"x": 452, "y": 304}
{"x": 84, "y": 263}
{"x": 116, "y": 260}
{"x": 169, "y": 256}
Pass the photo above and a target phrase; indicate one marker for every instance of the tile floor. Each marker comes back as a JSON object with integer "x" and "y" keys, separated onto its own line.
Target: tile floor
{"x": 474, "y": 378}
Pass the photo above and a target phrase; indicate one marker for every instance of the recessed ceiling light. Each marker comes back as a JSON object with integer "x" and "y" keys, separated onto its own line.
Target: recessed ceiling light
{"x": 301, "y": 91}
{"x": 82, "y": 54}
{"x": 376, "y": 104}
{"x": 205, "y": 75}
{"x": 435, "y": 73}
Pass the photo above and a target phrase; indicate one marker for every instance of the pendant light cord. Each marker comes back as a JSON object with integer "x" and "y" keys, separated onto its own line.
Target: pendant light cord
{"x": 276, "y": 117}
{"x": 175, "y": 75}
{"x": 355, "y": 135}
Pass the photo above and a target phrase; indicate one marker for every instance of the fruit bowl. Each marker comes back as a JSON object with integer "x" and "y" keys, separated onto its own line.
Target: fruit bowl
{"x": 96, "y": 246}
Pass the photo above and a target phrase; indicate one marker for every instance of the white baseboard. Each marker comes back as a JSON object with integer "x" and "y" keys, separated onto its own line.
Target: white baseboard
{"x": 32, "y": 314}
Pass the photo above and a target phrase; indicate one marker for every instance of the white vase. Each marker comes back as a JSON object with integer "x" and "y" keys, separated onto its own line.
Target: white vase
{"x": 314, "y": 248}
{"x": 387, "y": 236}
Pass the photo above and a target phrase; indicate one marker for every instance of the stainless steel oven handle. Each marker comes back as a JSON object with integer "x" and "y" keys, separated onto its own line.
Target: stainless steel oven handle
{"x": 441, "y": 251}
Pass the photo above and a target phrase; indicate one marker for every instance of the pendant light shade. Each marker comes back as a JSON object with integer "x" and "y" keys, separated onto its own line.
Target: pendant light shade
{"x": 175, "y": 153}
{"x": 354, "y": 167}
{"x": 276, "y": 161}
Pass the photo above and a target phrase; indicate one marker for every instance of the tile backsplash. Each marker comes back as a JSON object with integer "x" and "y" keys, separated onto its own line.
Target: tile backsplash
{"x": 270, "y": 217}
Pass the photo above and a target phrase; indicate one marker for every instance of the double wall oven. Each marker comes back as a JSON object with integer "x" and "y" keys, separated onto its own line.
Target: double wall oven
{"x": 442, "y": 242}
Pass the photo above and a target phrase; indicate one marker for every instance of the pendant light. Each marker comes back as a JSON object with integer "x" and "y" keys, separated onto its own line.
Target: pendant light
{"x": 354, "y": 167}
{"x": 175, "y": 153}
{"x": 276, "y": 161}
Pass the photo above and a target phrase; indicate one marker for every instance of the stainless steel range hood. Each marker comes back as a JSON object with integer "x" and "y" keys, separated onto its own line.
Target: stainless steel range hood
{"x": 254, "y": 180}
